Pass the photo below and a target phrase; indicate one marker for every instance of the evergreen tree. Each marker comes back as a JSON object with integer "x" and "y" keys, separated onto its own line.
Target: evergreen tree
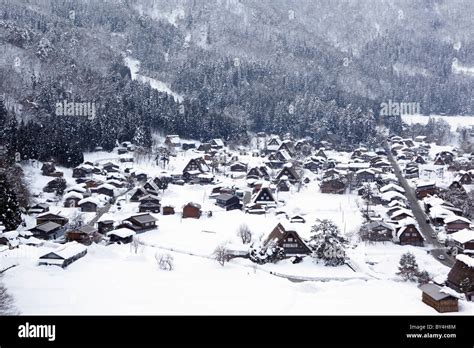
{"x": 408, "y": 268}
{"x": 327, "y": 243}
{"x": 10, "y": 214}
{"x": 265, "y": 254}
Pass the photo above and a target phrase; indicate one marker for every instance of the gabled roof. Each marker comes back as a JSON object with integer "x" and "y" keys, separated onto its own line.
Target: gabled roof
{"x": 374, "y": 224}
{"x": 48, "y": 213}
{"x": 462, "y": 236}
{"x": 262, "y": 191}
{"x": 143, "y": 218}
{"x": 192, "y": 204}
{"x": 455, "y": 218}
{"x": 401, "y": 211}
{"x": 391, "y": 195}
{"x": 88, "y": 229}
{"x": 92, "y": 200}
{"x": 403, "y": 229}
{"x": 67, "y": 251}
{"x": 121, "y": 232}
{"x": 467, "y": 260}
{"x": 218, "y": 142}
{"x": 46, "y": 227}
{"x": 224, "y": 197}
{"x": 148, "y": 197}
{"x": 106, "y": 186}
{"x": 73, "y": 194}
{"x": 279, "y": 233}
{"x": 392, "y": 187}
{"x": 437, "y": 292}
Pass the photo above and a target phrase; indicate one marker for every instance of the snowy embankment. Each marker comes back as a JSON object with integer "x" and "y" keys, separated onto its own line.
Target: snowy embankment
{"x": 134, "y": 66}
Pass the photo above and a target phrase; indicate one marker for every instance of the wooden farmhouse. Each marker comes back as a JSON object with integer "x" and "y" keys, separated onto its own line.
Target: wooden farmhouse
{"x": 140, "y": 222}
{"x": 85, "y": 234}
{"x": 461, "y": 276}
{"x": 228, "y": 201}
{"x": 462, "y": 240}
{"x": 51, "y": 217}
{"x": 456, "y": 223}
{"x": 410, "y": 235}
{"x": 289, "y": 240}
{"x": 377, "y": 231}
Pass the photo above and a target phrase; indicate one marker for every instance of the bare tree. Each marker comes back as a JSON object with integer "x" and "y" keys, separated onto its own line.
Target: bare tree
{"x": 76, "y": 221}
{"x": 165, "y": 261}
{"x": 221, "y": 254}
{"x": 245, "y": 234}
{"x": 135, "y": 245}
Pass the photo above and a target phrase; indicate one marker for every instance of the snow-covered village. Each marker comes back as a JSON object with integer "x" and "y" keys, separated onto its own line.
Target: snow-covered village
{"x": 219, "y": 229}
{"x": 224, "y": 158}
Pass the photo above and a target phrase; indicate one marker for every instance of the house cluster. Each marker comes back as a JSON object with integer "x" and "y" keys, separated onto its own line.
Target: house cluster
{"x": 433, "y": 177}
{"x": 389, "y": 216}
{"x": 444, "y": 172}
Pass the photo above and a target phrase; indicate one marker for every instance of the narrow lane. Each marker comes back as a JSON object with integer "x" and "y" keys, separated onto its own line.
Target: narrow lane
{"x": 425, "y": 228}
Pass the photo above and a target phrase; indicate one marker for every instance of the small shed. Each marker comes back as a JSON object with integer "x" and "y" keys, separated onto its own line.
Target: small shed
{"x": 64, "y": 255}
{"x": 440, "y": 298}
{"x": 168, "y": 210}
{"x": 122, "y": 235}
{"x": 192, "y": 210}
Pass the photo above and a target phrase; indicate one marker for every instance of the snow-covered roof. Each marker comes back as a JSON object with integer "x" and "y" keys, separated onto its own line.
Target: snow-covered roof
{"x": 425, "y": 183}
{"x": 106, "y": 186}
{"x": 107, "y": 217}
{"x": 402, "y": 211}
{"x": 73, "y": 194}
{"x": 437, "y": 292}
{"x": 396, "y": 203}
{"x": 79, "y": 188}
{"x": 370, "y": 171}
{"x": 406, "y": 221}
{"x": 438, "y": 211}
{"x": 30, "y": 241}
{"x": 218, "y": 142}
{"x": 462, "y": 236}
{"x": 433, "y": 200}
{"x": 391, "y": 187}
{"x": 68, "y": 250}
{"x": 85, "y": 167}
{"x": 454, "y": 218}
{"x": 390, "y": 195}
{"x": 402, "y": 229}
{"x": 93, "y": 200}
{"x": 205, "y": 176}
{"x": 9, "y": 234}
{"x": 121, "y": 233}
{"x": 469, "y": 261}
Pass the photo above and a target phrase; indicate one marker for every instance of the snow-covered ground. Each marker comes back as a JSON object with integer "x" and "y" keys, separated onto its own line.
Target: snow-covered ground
{"x": 115, "y": 280}
{"x": 134, "y": 66}
{"x": 454, "y": 121}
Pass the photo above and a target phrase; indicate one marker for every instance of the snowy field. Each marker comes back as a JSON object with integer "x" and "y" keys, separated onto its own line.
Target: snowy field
{"x": 454, "y": 121}
{"x": 115, "y": 280}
